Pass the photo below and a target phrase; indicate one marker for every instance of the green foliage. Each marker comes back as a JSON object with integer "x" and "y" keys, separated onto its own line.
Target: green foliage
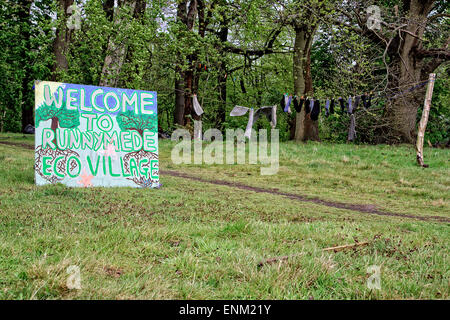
{"x": 438, "y": 127}
{"x": 26, "y": 39}
{"x": 66, "y": 118}
{"x": 128, "y": 120}
{"x": 160, "y": 49}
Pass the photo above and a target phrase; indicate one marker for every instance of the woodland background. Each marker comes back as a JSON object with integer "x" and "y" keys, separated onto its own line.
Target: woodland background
{"x": 231, "y": 53}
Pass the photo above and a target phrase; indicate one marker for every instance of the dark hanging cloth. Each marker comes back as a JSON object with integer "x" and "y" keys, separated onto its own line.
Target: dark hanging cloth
{"x": 332, "y": 106}
{"x": 267, "y": 112}
{"x": 307, "y": 106}
{"x": 315, "y": 111}
{"x": 364, "y": 100}
{"x": 341, "y": 102}
{"x": 369, "y": 102}
{"x": 298, "y": 103}
{"x": 357, "y": 100}
{"x": 282, "y": 103}
{"x": 351, "y": 129}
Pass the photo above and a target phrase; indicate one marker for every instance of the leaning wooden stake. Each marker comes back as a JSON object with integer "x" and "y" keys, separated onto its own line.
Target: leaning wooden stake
{"x": 424, "y": 120}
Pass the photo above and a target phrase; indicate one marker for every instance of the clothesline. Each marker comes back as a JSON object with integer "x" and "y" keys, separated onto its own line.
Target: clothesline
{"x": 374, "y": 94}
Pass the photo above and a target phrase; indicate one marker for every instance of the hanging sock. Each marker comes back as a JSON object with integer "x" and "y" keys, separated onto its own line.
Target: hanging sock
{"x": 327, "y": 108}
{"x": 369, "y": 101}
{"x": 248, "y": 129}
{"x": 197, "y": 108}
{"x": 357, "y": 99}
{"x": 332, "y": 106}
{"x": 315, "y": 111}
{"x": 351, "y": 129}
{"x": 307, "y": 106}
{"x": 287, "y": 103}
{"x": 341, "y": 103}
{"x": 349, "y": 106}
{"x": 364, "y": 100}
{"x": 298, "y": 103}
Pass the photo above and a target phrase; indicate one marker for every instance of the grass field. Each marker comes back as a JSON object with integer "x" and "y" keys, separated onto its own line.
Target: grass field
{"x": 198, "y": 240}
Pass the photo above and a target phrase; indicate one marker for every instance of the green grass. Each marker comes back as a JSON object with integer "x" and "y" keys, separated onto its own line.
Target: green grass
{"x": 194, "y": 240}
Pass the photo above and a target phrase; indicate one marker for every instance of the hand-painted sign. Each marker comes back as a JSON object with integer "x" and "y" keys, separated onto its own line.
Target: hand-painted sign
{"x": 95, "y": 136}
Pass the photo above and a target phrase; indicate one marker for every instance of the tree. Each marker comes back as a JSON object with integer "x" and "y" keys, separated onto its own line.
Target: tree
{"x": 128, "y": 120}
{"x": 407, "y": 36}
{"x": 62, "y": 39}
{"x": 118, "y": 43}
{"x": 63, "y": 118}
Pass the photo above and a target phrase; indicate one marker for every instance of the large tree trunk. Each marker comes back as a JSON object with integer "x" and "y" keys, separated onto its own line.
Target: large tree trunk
{"x": 184, "y": 80}
{"x": 62, "y": 40}
{"x": 305, "y": 128}
{"x": 188, "y": 91}
{"x": 407, "y": 69}
{"x": 25, "y": 37}
{"x": 179, "y": 97}
{"x": 117, "y": 48}
{"x": 222, "y": 79}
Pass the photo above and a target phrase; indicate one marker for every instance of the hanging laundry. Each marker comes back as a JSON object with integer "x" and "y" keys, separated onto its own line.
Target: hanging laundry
{"x": 349, "y": 105}
{"x": 286, "y": 103}
{"x": 341, "y": 102}
{"x": 298, "y": 103}
{"x": 357, "y": 99}
{"x": 332, "y": 106}
{"x": 269, "y": 111}
{"x": 311, "y": 105}
{"x": 248, "y": 129}
{"x": 238, "y": 111}
{"x": 315, "y": 111}
{"x": 367, "y": 100}
{"x": 307, "y": 106}
{"x": 327, "y": 108}
{"x": 197, "y": 108}
{"x": 351, "y": 129}
{"x": 364, "y": 100}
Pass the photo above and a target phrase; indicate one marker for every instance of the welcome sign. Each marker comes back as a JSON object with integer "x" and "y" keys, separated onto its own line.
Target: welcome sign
{"x": 95, "y": 136}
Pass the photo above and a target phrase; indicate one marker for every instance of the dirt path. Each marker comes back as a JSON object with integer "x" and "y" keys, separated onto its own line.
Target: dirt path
{"x": 370, "y": 209}
{"x": 16, "y": 144}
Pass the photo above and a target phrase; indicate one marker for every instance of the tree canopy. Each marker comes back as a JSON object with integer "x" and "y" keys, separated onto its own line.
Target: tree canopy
{"x": 236, "y": 53}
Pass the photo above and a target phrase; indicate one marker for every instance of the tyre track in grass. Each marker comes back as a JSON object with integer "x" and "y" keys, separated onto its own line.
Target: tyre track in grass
{"x": 368, "y": 208}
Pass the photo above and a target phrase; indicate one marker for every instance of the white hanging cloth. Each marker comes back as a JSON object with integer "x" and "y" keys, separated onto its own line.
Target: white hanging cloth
{"x": 197, "y": 107}
{"x": 248, "y": 129}
{"x": 269, "y": 111}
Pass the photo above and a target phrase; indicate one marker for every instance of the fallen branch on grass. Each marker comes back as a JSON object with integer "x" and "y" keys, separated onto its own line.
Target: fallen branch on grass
{"x": 346, "y": 246}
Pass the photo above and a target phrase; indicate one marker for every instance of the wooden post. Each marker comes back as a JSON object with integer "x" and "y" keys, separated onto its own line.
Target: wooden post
{"x": 424, "y": 120}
